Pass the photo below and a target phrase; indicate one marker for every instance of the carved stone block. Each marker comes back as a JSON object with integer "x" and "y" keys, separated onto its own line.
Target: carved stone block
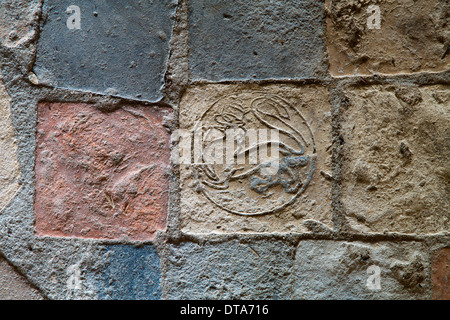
{"x": 244, "y": 196}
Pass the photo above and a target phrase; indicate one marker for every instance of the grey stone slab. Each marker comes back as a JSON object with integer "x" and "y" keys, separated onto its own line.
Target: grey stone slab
{"x": 120, "y": 48}
{"x": 342, "y": 270}
{"x": 260, "y": 39}
{"x": 229, "y": 270}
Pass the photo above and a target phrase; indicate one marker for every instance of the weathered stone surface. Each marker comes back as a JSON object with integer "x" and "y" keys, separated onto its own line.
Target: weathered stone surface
{"x": 395, "y": 168}
{"x": 14, "y": 286}
{"x": 249, "y": 200}
{"x": 131, "y": 274}
{"x": 9, "y": 165}
{"x": 229, "y": 270}
{"x": 440, "y": 274}
{"x": 101, "y": 175}
{"x": 16, "y": 21}
{"x": 120, "y": 49}
{"x": 390, "y": 155}
{"x": 260, "y": 39}
{"x": 339, "y": 270}
{"x": 413, "y": 37}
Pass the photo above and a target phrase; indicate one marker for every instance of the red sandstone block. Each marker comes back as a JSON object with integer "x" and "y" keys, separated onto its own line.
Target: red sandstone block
{"x": 101, "y": 175}
{"x": 440, "y": 274}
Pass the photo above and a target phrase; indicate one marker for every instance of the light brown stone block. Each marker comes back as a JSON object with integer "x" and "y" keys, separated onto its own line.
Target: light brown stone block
{"x": 413, "y": 37}
{"x": 395, "y": 168}
{"x": 341, "y": 270}
{"x": 9, "y": 165}
{"x": 233, "y": 198}
{"x": 440, "y": 274}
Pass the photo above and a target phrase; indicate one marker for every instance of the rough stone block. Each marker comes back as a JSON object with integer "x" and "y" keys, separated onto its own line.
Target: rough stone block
{"x": 239, "y": 198}
{"x": 16, "y": 21}
{"x": 348, "y": 270}
{"x": 119, "y": 47}
{"x": 413, "y": 36}
{"x": 229, "y": 270}
{"x": 395, "y": 168}
{"x": 13, "y": 286}
{"x": 101, "y": 175}
{"x": 440, "y": 274}
{"x": 9, "y": 165}
{"x": 131, "y": 274}
{"x": 258, "y": 39}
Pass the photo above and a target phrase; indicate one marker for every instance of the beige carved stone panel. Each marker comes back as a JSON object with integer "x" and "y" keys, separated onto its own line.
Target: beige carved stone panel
{"x": 396, "y": 167}
{"x": 9, "y": 165}
{"x": 389, "y": 37}
{"x": 242, "y": 197}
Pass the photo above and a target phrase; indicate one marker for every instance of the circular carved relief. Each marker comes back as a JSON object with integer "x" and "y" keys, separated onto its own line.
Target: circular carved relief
{"x": 245, "y": 187}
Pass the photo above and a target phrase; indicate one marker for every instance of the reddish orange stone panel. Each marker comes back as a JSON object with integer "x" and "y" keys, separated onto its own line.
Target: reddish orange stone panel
{"x": 101, "y": 175}
{"x": 440, "y": 275}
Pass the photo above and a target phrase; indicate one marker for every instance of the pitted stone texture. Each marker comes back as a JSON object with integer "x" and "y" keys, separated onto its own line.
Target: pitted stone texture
{"x": 9, "y": 165}
{"x": 121, "y": 47}
{"x": 248, "y": 203}
{"x": 130, "y": 273}
{"x": 54, "y": 264}
{"x": 258, "y": 39}
{"x": 229, "y": 270}
{"x": 14, "y": 286}
{"x": 16, "y": 21}
{"x": 101, "y": 175}
{"x": 395, "y": 169}
{"x": 339, "y": 270}
{"x": 413, "y": 37}
{"x": 440, "y": 274}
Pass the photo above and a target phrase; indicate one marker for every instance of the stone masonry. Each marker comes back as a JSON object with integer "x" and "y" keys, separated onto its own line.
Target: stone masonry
{"x": 99, "y": 101}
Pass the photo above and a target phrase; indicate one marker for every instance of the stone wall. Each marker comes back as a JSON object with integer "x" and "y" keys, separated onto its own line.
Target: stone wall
{"x": 94, "y": 94}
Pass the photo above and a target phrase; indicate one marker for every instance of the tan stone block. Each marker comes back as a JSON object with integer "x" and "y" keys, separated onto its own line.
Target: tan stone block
{"x": 413, "y": 37}
{"x": 234, "y": 198}
{"x": 9, "y": 165}
{"x": 16, "y": 21}
{"x": 395, "y": 170}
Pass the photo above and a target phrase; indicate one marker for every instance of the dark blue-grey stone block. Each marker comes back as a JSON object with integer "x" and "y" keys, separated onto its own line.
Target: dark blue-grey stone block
{"x": 131, "y": 274}
{"x": 121, "y": 49}
{"x": 258, "y": 39}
